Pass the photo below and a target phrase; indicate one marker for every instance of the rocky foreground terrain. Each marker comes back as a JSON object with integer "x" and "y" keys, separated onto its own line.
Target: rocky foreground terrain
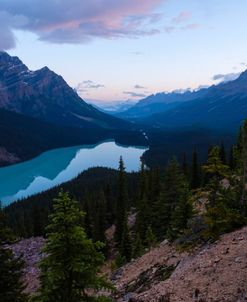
{"x": 213, "y": 272}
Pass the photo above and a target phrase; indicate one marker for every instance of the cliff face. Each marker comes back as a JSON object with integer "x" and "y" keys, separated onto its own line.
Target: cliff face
{"x": 214, "y": 272}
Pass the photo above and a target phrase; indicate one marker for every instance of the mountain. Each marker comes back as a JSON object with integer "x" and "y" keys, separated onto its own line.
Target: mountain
{"x": 159, "y": 102}
{"x": 45, "y": 95}
{"x": 219, "y": 107}
{"x": 111, "y": 107}
{"x": 23, "y": 137}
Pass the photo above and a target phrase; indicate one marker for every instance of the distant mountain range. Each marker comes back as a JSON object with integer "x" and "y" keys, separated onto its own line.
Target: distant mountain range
{"x": 222, "y": 107}
{"x": 39, "y": 111}
{"x": 45, "y": 95}
{"x": 157, "y": 103}
{"x": 112, "y": 107}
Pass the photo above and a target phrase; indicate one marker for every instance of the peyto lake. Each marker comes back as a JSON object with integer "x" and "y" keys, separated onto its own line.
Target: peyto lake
{"x": 57, "y": 166}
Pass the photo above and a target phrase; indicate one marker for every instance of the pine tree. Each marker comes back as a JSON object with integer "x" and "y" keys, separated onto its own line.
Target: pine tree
{"x": 100, "y": 218}
{"x": 150, "y": 239}
{"x": 223, "y": 154}
{"x": 11, "y": 286}
{"x": 126, "y": 245}
{"x": 122, "y": 201}
{"x": 142, "y": 217}
{"x": 152, "y": 194}
{"x": 143, "y": 182}
{"x": 173, "y": 188}
{"x": 181, "y": 215}
{"x": 217, "y": 171}
{"x": 232, "y": 161}
{"x": 195, "y": 175}
{"x": 185, "y": 166}
{"x": 138, "y": 247}
{"x": 69, "y": 272}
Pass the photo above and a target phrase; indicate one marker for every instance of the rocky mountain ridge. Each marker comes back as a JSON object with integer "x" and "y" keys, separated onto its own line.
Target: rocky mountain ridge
{"x": 45, "y": 95}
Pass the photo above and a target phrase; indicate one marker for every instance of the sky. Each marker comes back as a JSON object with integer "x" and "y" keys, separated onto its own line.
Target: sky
{"x": 113, "y": 50}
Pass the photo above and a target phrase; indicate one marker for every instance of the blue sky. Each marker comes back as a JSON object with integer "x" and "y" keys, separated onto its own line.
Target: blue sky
{"x": 116, "y": 50}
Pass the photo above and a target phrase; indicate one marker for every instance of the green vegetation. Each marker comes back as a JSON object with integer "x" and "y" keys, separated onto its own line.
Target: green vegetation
{"x": 11, "y": 286}
{"x": 186, "y": 203}
{"x": 69, "y": 272}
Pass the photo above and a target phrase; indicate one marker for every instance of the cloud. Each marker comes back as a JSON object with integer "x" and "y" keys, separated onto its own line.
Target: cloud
{"x": 138, "y": 53}
{"x": 182, "y": 17}
{"x": 191, "y": 26}
{"x": 224, "y": 78}
{"x": 87, "y": 85}
{"x": 139, "y": 87}
{"x": 176, "y": 23}
{"x": 77, "y": 21}
{"x": 134, "y": 94}
{"x": 171, "y": 29}
{"x": 243, "y": 64}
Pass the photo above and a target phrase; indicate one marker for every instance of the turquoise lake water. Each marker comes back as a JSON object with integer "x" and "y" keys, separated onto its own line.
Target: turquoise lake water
{"x": 57, "y": 166}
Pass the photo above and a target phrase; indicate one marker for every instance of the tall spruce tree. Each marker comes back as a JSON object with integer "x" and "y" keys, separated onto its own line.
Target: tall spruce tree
{"x": 100, "y": 218}
{"x": 195, "y": 173}
{"x": 138, "y": 247}
{"x": 142, "y": 217}
{"x": 69, "y": 272}
{"x": 223, "y": 154}
{"x": 126, "y": 245}
{"x": 121, "y": 203}
{"x": 11, "y": 285}
{"x": 181, "y": 214}
{"x": 232, "y": 161}
{"x": 172, "y": 189}
{"x": 185, "y": 166}
{"x": 216, "y": 171}
{"x": 150, "y": 238}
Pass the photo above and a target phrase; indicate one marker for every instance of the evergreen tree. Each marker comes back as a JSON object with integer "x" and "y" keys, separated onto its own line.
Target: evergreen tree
{"x": 185, "y": 167}
{"x": 122, "y": 201}
{"x": 181, "y": 215}
{"x": 142, "y": 217}
{"x": 138, "y": 247}
{"x": 69, "y": 272}
{"x": 232, "y": 161}
{"x": 173, "y": 188}
{"x": 217, "y": 171}
{"x": 11, "y": 286}
{"x": 126, "y": 245}
{"x": 152, "y": 194}
{"x": 223, "y": 154}
{"x": 100, "y": 218}
{"x": 195, "y": 174}
{"x": 143, "y": 182}
{"x": 150, "y": 238}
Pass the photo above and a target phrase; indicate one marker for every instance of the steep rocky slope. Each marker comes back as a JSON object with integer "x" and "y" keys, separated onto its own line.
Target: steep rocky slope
{"x": 213, "y": 272}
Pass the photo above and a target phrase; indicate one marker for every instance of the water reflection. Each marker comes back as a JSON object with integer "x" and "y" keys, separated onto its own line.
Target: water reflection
{"x": 57, "y": 166}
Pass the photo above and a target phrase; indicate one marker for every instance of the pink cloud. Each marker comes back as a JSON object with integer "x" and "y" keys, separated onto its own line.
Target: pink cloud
{"x": 191, "y": 26}
{"x": 182, "y": 17}
{"x": 77, "y": 21}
